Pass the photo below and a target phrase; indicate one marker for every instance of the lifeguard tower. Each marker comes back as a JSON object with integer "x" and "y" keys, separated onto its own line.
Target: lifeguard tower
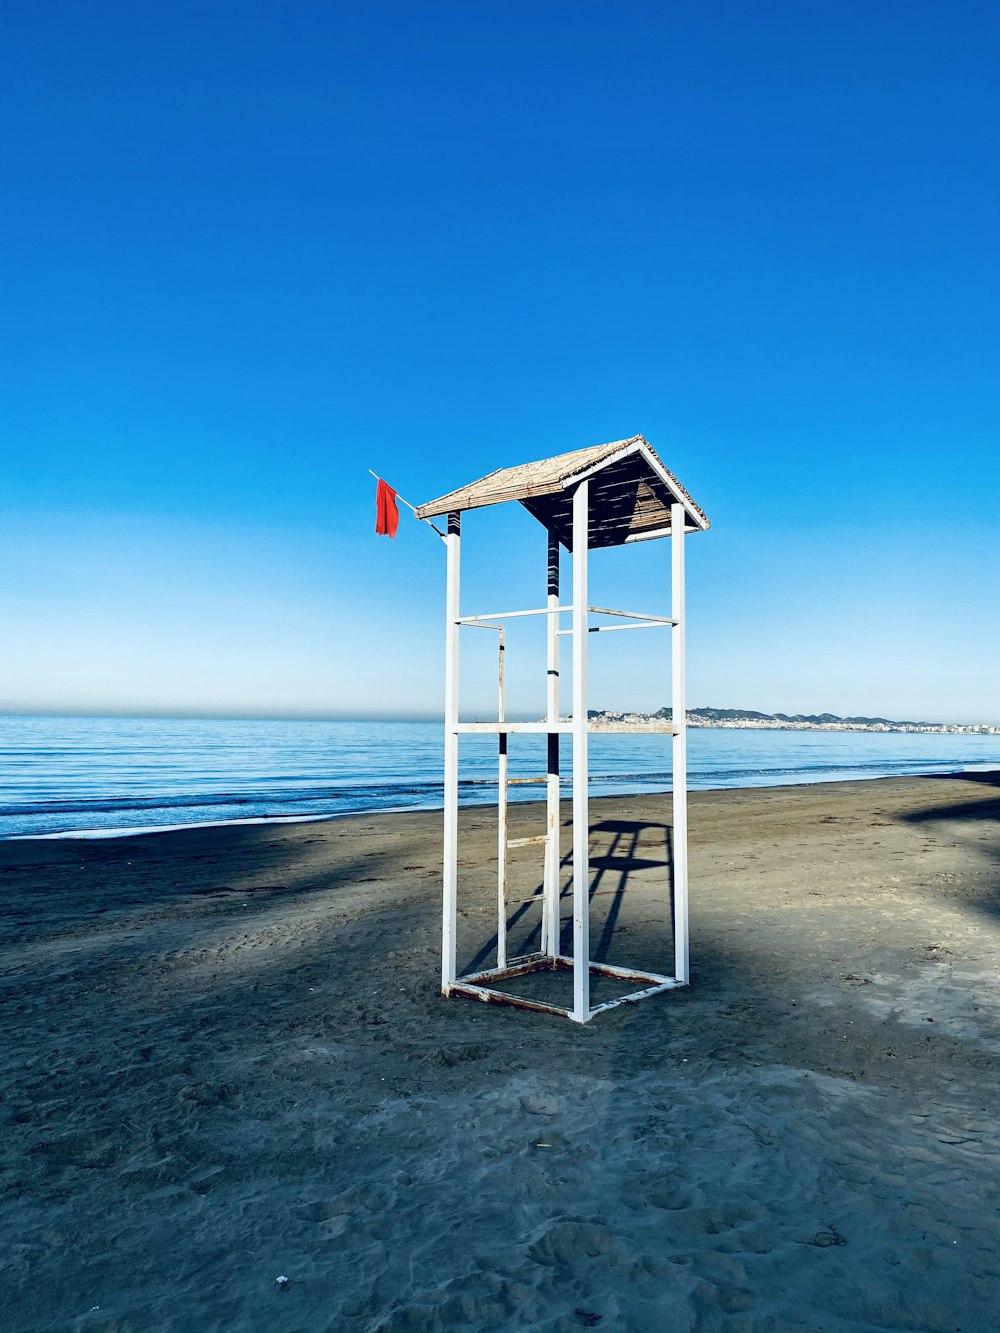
{"x": 605, "y": 495}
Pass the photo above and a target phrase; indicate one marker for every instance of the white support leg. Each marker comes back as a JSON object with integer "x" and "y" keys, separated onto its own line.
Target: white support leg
{"x": 551, "y": 878}
{"x": 581, "y": 812}
{"x": 503, "y": 822}
{"x": 450, "y": 902}
{"x": 678, "y": 699}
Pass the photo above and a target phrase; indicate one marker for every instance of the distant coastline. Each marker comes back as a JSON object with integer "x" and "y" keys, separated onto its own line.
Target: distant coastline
{"x": 745, "y": 719}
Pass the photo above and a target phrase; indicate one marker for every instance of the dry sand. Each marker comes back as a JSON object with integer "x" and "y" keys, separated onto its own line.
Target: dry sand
{"x": 224, "y": 1060}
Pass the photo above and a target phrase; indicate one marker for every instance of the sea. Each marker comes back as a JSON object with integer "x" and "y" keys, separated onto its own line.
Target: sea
{"x": 93, "y": 776}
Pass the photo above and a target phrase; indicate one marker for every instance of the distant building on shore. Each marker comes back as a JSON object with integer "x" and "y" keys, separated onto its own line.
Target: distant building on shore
{"x": 741, "y": 719}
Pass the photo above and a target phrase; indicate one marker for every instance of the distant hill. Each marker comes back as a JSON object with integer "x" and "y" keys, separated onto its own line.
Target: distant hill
{"x": 749, "y": 719}
{"x": 816, "y": 719}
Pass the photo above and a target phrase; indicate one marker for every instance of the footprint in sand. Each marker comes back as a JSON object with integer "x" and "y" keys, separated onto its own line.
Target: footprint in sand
{"x": 87, "y": 1151}
{"x": 670, "y": 1200}
{"x": 730, "y": 1300}
{"x": 568, "y": 1242}
{"x": 539, "y": 1104}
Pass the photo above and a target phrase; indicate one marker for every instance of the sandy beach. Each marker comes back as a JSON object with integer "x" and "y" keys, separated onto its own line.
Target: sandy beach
{"x": 225, "y": 1060}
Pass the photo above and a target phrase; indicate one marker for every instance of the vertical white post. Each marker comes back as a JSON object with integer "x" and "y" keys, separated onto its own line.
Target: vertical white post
{"x": 581, "y": 812}
{"x": 551, "y": 878}
{"x": 502, "y": 820}
{"x": 678, "y": 699}
{"x": 450, "y": 902}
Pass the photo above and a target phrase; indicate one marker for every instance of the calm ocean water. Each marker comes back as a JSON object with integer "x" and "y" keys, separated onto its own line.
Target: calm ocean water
{"x": 61, "y": 775}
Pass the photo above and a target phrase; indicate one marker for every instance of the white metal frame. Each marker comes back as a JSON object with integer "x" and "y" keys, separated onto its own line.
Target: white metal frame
{"x": 482, "y": 985}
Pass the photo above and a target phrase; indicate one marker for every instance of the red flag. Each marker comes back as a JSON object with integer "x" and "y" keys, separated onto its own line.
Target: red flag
{"x": 386, "y": 510}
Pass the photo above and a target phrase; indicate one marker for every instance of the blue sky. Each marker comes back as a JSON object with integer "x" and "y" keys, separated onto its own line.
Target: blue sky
{"x": 251, "y": 250}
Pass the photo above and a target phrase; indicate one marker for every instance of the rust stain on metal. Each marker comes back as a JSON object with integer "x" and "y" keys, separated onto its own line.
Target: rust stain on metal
{"x": 517, "y": 967}
{"x": 512, "y": 1001}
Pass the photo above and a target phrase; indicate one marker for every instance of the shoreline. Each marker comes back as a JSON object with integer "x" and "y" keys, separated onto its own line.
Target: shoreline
{"x": 130, "y": 831}
{"x": 226, "y": 1059}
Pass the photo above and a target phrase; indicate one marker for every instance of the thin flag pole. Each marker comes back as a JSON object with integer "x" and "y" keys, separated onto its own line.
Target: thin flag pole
{"x": 407, "y": 503}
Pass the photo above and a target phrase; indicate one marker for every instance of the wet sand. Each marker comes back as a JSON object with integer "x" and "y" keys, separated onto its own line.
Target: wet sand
{"x": 224, "y": 1060}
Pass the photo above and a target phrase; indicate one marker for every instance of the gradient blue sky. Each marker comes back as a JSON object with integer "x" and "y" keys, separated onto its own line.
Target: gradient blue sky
{"x": 250, "y": 250}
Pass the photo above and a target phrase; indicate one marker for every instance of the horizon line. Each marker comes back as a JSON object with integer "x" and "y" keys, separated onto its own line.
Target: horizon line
{"x": 218, "y": 715}
{"x": 207, "y": 715}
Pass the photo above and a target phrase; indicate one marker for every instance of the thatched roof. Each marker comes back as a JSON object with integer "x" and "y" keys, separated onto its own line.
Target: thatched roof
{"x": 630, "y": 494}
